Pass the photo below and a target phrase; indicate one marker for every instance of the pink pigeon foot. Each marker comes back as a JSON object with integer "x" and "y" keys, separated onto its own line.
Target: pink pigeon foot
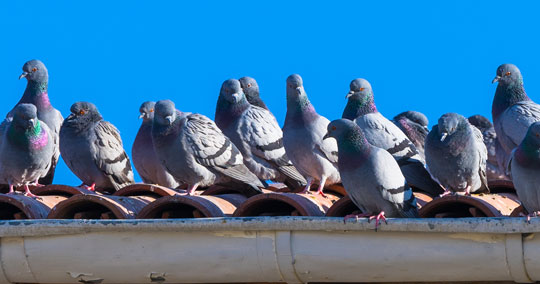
{"x": 91, "y": 188}
{"x": 191, "y": 189}
{"x": 11, "y": 190}
{"x": 37, "y": 184}
{"x": 377, "y": 218}
{"x": 307, "y": 187}
{"x": 533, "y": 214}
{"x": 321, "y": 187}
{"x": 446, "y": 192}
{"x": 28, "y": 193}
{"x": 356, "y": 216}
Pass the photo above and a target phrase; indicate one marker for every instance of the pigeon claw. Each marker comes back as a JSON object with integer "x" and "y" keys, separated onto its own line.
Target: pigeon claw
{"x": 446, "y": 193}
{"x": 28, "y": 193}
{"x": 377, "y": 218}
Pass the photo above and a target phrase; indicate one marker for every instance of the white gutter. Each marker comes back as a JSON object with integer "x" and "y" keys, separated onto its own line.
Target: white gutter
{"x": 269, "y": 249}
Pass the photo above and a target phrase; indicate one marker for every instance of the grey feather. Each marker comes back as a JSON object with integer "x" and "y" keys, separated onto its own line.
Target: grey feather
{"x": 93, "y": 150}
{"x": 195, "y": 151}
{"x": 370, "y": 175}
{"x": 456, "y": 155}
{"x": 303, "y": 132}
{"x": 256, "y": 133}
{"x": 143, "y": 154}
{"x": 524, "y": 166}
{"x": 26, "y": 147}
{"x": 490, "y": 140}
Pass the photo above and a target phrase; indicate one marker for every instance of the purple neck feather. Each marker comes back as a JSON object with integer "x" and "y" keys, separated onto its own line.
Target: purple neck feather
{"x": 36, "y": 94}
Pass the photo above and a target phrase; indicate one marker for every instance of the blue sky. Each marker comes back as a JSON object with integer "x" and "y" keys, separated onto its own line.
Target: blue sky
{"x": 432, "y": 56}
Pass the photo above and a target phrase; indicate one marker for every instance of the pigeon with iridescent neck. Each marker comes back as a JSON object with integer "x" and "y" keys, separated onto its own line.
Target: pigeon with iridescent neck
{"x": 93, "y": 150}
{"x": 26, "y": 149}
{"x": 525, "y": 168}
{"x": 382, "y": 133}
{"x": 195, "y": 151}
{"x": 512, "y": 110}
{"x": 414, "y": 124}
{"x": 256, "y": 133}
{"x": 370, "y": 175}
{"x": 303, "y": 132}
{"x": 456, "y": 155}
{"x": 144, "y": 157}
{"x": 490, "y": 140}
{"x": 251, "y": 90}
{"x": 36, "y": 93}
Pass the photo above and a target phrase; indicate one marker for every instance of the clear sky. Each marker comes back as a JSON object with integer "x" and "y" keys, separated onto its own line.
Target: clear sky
{"x": 430, "y": 56}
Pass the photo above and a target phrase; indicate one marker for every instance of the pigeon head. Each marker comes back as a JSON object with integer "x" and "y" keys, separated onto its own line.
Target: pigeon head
{"x": 35, "y": 71}
{"x": 147, "y": 110}
{"x": 231, "y": 90}
{"x": 449, "y": 123}
{"x": 340, "y": 129}
{"x": 250, "y": 87}
{"x": 414, "y": 116}
{"x": 84, "y": 112}
{"x": 25, "y": 116}
{"x": 360, "y": 99}
{"x": 295, "y": 85}
{"x": 481, "y": 122}
{"x": 165, "y": 112}
{"x": 508, "y": 74}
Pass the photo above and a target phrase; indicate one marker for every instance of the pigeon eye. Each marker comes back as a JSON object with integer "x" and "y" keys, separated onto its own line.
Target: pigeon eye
{"x": 34, "y": 69}
{"x": 82, "y": 112}
{"x": 507, "y": 73}
{"x": 151, "y": 110}
{"x": 249, "y": 85}
{"x": 361, "y": 89}
{"x": 333, "y": 128}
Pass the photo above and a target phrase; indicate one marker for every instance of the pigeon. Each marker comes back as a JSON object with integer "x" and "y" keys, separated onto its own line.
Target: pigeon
{"x": 195, "y": 151}
{"x": 251, "y": 90}
{"x": 415, "y": 125}
{"x": 256, "y": 133}
{"x": 524, "y": 166}
{"x": 371, "y": 176}
{"x": 490, "y": 140}
{"x": 456, "y": 155}
{"x": 512, "y": 110}
{"x": 93, "y": 150}
{"x": 36, "y": 93}
{"x": 382, "y": 133}
{"x": 144, "y": 156}
{"x": 303, "y": 132}
{"x": 26, "y": 149}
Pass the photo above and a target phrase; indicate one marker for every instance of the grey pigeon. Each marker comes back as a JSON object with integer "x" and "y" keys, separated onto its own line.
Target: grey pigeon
{"x": 93, "y": 150}
{"x": 456, "y": 155}
{"x": 512, "y": 110}
{"x": 251, "y": 90}
{"x": 36, "y": 93}
{"x": 26, "y": 149}
{"x": 525, "y": 166}
{"x": 256, "y": 133}
{"x": 143, "y": 154}
{"x": 370, "y": 175}
{"x": 303, "y": 132}
{"x": 490, "y": 140}
{"x": 415, "y": 125}
{"x": 382, "y": 133}
{"x": 196, "y": 152}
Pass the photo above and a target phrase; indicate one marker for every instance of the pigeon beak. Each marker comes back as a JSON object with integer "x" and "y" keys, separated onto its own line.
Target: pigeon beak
{"x": 169, "y": 119}
{"x": 444, "y": 136}
{"x": 70, "y": 116}
{"x": 236, "y": 97}
{"x": 31, "y": 123}
{"x": 496, "y": 79}
{"x": 141, "y": 116}
{"x": 298, "y": 90}
{"x": 327, "y": 135}
{"x": 349, "y": 94}
{"x": 24, "y": 74}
